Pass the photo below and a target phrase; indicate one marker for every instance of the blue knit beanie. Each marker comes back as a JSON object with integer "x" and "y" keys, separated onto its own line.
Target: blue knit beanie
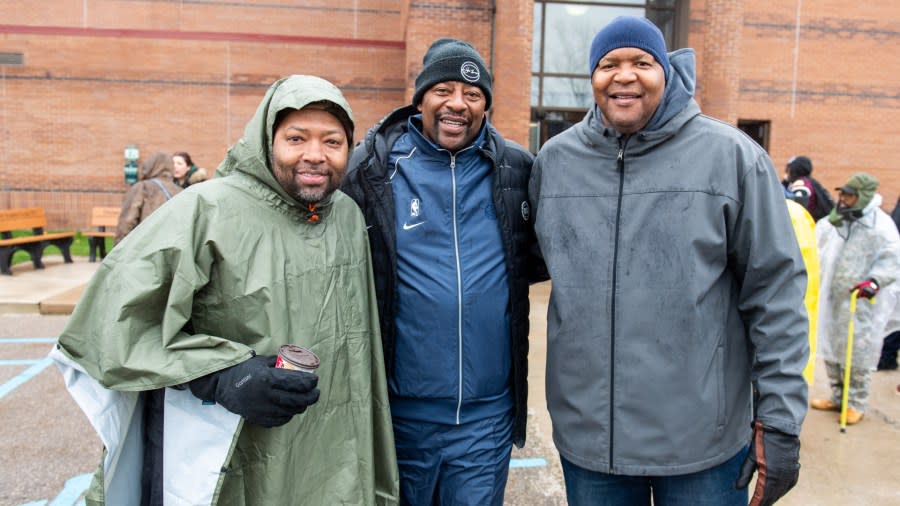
{"x": 452, "y": 60}
{"x": 629, "y": 31}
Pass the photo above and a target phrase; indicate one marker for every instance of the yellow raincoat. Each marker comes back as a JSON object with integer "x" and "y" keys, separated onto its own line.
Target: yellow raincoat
{"x": 805, "y": 230}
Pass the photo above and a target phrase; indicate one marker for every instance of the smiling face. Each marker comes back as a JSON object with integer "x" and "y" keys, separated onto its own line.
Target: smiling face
{"x": 452, "y": 114}
{"x": 310, "y": 152}
{"x": 628, "y": 86}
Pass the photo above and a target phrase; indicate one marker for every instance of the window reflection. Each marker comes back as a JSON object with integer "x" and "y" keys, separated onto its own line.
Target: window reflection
{"x": 568, "y": 92}
{"x": 568, "y": 33}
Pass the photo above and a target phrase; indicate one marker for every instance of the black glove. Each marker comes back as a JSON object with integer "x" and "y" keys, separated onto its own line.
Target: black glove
{"x": 867, "y": 289}
{"x": 776, "y": 456}
{"x": 258, "y": 391}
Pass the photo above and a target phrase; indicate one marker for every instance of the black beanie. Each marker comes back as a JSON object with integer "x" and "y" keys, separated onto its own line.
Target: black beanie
{"x": 799, "y": 166}
{"x": 452, "y": 60}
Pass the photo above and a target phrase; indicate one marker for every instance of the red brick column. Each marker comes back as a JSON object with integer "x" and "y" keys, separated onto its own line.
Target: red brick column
{"x": 721, "y": 57}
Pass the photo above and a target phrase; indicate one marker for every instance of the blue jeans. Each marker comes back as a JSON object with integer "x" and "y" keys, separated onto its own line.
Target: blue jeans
{"x": 710, "y": 487}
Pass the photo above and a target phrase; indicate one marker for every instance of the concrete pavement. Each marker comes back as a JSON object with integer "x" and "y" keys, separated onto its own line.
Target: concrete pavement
{"x": 52, "y": 290}
{"x": 47, "y": 446}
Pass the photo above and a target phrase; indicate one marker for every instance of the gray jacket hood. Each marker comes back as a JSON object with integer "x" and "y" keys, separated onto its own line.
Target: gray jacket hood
{"x": 678, "y": 94}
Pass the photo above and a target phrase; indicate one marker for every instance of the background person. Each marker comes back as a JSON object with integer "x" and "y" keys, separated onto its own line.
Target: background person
{"x": 444, "y": 195}
{"x": 185, "y": 172}
{"x": 677, "y": 281}
{"x": 170, "y": 350}
{"x": 805, "y": 231}
{"x": 891, "y": 345}
{"x": 154, "y": 187}
{"x": 804, "y": 189}
{"x": 859, "y": 249}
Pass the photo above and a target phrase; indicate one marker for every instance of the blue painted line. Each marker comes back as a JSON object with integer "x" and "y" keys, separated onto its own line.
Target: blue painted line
{"x": 19, "y": 362}
{"x": 24, "y": 376}
{"x": 536, "y": 462}
{"x": 73, "y": 490}
{"x": 42, "y": 502}
{"x": 19, "y": 340}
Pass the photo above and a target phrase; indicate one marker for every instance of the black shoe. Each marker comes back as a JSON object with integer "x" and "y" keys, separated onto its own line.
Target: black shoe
{"x": 884, "y": 366}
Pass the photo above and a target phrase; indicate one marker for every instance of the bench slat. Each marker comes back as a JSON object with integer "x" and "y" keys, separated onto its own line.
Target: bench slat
{"x": 98, "y": 234}
{"x": 105, "y": 216}
{"x": 22, "y": 219}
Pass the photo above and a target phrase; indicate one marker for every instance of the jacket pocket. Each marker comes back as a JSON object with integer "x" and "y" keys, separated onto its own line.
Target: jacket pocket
{"x": 720, "y": 388}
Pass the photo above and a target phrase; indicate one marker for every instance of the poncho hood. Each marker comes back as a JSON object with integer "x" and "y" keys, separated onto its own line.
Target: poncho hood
{"x": 252, "y": 154}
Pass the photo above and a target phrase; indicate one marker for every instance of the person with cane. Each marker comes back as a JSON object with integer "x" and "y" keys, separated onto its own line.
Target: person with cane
{"x": 859, "y": 252}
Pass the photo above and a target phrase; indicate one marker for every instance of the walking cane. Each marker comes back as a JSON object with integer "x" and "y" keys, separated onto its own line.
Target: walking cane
{"x": 847, "y": 359}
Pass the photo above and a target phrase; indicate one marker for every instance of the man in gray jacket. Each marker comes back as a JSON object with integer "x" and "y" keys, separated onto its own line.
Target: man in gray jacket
{"x": 677, "y": 292}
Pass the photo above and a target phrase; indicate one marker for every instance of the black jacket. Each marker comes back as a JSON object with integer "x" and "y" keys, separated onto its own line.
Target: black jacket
{"x": 367, "y": 182}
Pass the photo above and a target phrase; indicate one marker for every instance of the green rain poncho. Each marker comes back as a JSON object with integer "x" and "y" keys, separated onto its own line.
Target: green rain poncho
{"x": 230, "y": 267}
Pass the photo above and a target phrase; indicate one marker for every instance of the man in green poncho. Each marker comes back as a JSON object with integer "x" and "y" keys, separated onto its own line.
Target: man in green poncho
{"x": 170, "y": 351}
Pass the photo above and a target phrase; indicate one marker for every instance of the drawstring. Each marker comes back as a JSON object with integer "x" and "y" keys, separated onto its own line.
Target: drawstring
{"x": 313, "y": 216}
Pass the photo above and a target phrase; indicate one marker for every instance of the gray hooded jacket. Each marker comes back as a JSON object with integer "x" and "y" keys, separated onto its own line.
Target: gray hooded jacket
{"x": 677, "y": 281}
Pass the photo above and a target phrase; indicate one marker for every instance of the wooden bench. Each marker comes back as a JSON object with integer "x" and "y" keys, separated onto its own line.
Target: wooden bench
{"x": 29, "y": 218}
{"x": 104, "y": 219}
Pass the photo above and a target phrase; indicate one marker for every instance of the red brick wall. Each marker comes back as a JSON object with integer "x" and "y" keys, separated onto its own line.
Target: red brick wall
{"x": 167, "y": 75}
{"x": 827, "y": 79}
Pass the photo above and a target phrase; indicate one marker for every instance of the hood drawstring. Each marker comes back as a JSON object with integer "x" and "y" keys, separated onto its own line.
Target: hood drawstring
{"x": 313, "y": 215}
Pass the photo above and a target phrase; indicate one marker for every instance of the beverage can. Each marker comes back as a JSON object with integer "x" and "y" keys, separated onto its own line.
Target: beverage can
{"x": 291, "y": 356}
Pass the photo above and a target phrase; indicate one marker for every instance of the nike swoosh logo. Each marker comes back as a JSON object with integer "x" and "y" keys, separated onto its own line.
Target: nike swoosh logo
{"x": 407, "y": 226}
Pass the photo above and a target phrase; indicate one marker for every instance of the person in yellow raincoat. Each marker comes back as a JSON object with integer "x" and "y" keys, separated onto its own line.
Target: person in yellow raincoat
{"x": 805, "y": 230}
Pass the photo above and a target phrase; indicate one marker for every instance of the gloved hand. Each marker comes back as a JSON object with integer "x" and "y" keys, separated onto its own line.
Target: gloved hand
{"x": 867, "y": 289}
{"x": 258, "y": 391}
{"x": 776, "y": 456}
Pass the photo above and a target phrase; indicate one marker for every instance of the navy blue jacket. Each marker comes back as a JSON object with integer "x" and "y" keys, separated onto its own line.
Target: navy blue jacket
{"x": 368, "y": 183}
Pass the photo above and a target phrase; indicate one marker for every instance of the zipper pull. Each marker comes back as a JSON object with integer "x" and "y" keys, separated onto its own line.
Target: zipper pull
{"x": 620, "y": 160}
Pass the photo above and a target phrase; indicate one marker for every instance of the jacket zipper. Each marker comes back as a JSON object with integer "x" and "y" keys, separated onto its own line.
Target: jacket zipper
{"x": 459, "y": 302}
{"x": 620, "y": 167}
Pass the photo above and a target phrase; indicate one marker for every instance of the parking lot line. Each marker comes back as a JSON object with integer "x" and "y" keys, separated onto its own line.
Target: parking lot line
{"x": 24, "y": 376}
{"x": 535, "y": 462}
{"x": 26, "y": 340}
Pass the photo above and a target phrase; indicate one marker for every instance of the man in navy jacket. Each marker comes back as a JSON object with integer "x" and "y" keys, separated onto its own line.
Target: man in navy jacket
{"x": 453, "y": 246}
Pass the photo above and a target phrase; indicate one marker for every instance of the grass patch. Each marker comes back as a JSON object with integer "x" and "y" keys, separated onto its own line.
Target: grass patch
{"x": 79, "y": 247}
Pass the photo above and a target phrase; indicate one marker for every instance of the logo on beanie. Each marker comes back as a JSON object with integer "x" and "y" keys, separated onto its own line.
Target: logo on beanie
{"x": 470, "y": 72}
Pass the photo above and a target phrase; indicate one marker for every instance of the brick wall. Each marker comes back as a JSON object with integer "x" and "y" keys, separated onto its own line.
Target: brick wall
{"x": 821, "y": 74}
{"x": 169, "y": 75}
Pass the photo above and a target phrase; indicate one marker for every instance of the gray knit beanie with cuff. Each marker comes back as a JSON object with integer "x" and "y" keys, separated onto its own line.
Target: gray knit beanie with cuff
{"x": 452, "y": 60}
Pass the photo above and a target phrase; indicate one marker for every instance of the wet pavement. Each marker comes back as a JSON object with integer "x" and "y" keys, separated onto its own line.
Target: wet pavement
{"x": 48, "y": 446}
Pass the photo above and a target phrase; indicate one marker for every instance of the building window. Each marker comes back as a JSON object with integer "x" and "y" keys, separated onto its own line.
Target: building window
{"x": 561, "y": 86}
{"x": 13, "y": 59}
{"x": 758, "y": 130}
